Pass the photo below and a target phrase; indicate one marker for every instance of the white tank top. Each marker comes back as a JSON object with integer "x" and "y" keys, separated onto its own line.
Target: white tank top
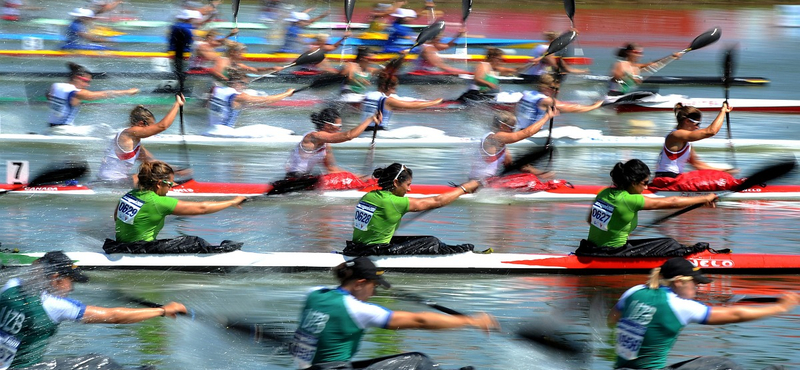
{"x": 117, "y": 162}
{"x": 372, "y": 101}
{"x": 528, "y": 110}
{"x": 674, "y": 162}
{"x": 303, "y": 161}
{"x": 61, "y": 112}
{"x": 486, "y": 165}
{"x": 220, "y": 107}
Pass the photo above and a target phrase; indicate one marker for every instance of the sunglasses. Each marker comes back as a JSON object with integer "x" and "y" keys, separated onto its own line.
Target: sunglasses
{"x": 696, "y": 122}
{"x": 84, "y": 79}
{"x": 169, "y": 183}
{"x": 402, "y": 168}
{"x": 333, "y": 124}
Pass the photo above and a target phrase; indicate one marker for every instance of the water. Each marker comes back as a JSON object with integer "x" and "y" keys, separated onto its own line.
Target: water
{"x": 313, "y": 224}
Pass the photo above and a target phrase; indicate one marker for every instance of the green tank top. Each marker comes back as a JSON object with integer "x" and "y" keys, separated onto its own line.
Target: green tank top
{"x": 358, "y": 84}
{"x": 25, "y": 328}
{"x": 377, "y": 217}
{"x": 140, "y": 215}
{"x": 614, "y": 216}
{"x": 490, "y": 77}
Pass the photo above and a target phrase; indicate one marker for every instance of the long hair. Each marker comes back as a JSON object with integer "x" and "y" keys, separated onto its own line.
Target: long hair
{"x": 150, "y": 173}
{"x": 631, "y": 172}
{"x": 140, "y": 114}
{"x": 77, "y": 70}
{"x": 324, "y": 116}
{"x": 387, "y": 81}
{"x": 343, "y": 273}
{"x": 683, "y": 112}
{"x": 386, "y": 176}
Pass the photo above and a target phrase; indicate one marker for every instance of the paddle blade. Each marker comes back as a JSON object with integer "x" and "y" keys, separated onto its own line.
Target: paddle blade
{"x": 235, "y": 9}
{"x": 323, "y": 81}
{"x": 63, "y": 172}
{"x": 310, "y": 57}
{"x": 466, "y": 8}
{"x": 741, "y": 298}
{"x": 768, "y": 174}
{"x": 291, "y": 185}
{"x": 569, "y": 7}
{"x": 561, "y": 42}
{"x": 728, "y": 66}
{"x": 707, "y": 38}
{"x": 428, "y": 33}
{"x": 532, "y": 156}
{"x": 548, "y": 334}
{"x": 348, "y": 9}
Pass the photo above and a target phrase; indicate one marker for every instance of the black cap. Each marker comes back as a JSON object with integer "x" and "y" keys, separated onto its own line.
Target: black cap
{"x": 681, "y": 267}
{"x": 56, "y": 262}
{"x": 364, "y": 268}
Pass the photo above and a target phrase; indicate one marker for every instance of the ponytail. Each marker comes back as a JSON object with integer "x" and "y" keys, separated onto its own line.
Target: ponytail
{"x": 140, "y": 114}
{"x": 631, "y": 172}
{"x": 386, "y": 176}
{"x": 654, "y": 281}
{"x": 150, "y": 173}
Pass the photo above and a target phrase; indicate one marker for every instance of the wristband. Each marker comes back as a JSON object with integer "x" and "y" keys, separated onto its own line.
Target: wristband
{"x": 464, "y": 189}
{"x": 163, "y": 314}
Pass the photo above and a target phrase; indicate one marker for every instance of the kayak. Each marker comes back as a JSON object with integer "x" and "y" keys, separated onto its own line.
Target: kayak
{"x": 657, "y": 102}
{"x": 255, "y": 40}
{"x": 565, "y": 192}
{"x": 500, "y": 263}
{"x": 683, "y": 80}
{"x": 413, "y": 136}
{"x": 211, "y": 25}
{"x": 266, "y": 57}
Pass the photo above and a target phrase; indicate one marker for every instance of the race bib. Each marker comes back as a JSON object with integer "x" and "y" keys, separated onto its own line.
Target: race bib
{"x": 601, "y": 214}
{"x": 303, "y": 348}
{"x": 8, "y": 349}
{"x": 128, "y": 207}
{"x": 364, "y": 213}
{"x": 630, "y": 335}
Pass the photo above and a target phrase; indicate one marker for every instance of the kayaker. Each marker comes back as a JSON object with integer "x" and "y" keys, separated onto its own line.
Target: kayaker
{"x": 359, "y": 72}
{"x": 386, "y": 101}
{"x": 125, "y": 148}
{"x": 35, "y": 305}
{"x": 77, "y": 35}
{"x": 626, "y": 72}
{"x": 551, "y": 64}
{"x": 678, "y": 151}
{"x": 333, "y": 322}
{"x": 649, "y": 317}
{"x": 492, "y": 153}
{"x": 485, "y": 84}
{"x": 65, "y": 99}
{"x": 320, "y": 41}
{"x": 315, "y": 149}
{"x": 140, "y": 214}
{"x": 293, "y": 39}
{"x": 535, "y": 103}
{"x": 378, "y": 215}
{"x": 234, "y": 55}
{"x": 429, "y": 60}
{"x": 226, "y": 102}
{"x": 400, "y": 31}
{"x": 205, "y": 55}
{"x": 614, "y": 215}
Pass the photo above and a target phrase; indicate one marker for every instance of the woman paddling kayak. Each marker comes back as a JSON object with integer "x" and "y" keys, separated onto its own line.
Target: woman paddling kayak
{"x": 649, "y": 318}
{"x": 359, "y": 72}
{"x": 140, "y": 215}
{"x": 614, "y": 215}
{"x": 333, "y": 322}
{"x": 535, "y": 103}
{"x": 626, "y": 72}
{"x": 66, "y": 97}
{"x": 315, "y": 149}
{"x": 678, "y": 151}
{"x": 35, "y": 305}
{"x": 485, "y": 84}
{"x": 378, "y": 215}
{"x": 386, "y": 101}
{"x": 125, "y": 148}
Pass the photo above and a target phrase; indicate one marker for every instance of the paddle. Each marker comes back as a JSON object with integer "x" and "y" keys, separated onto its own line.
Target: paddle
{"x": 561, "y": 42}
{"x": 706, "y": 38}
{"x": 742, "y": 298}
{"x": 323, "y": 81}
{"x": 763, "y": 176}
{"x": 348, "y": 14}
{"x": 146, "y": 303}
{"x": 728, "y": 65}
{"x": 68, "y": 171}
{"x": 310, "y": 57}
{"x": 542, "y": 334}
{"x": 235, "y": 8}
{"x": 371, "y": 152}
{"x": 466, "y": 9}
{"x": 569, "y": 8}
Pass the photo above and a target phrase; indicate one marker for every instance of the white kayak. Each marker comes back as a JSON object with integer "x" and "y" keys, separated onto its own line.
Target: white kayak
{"x": 644, "y": 102}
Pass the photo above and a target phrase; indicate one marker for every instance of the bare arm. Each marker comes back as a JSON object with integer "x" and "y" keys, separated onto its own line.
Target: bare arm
{"x": 577, "y": 108}
{"x": 441, "y": 200}
{"x": 678, "y": 202}
{"x": 339, "y": 137}
{"x": 700, "y": 134}
{"x": 433, "y": 320}
{"x": 186, "y": 208}
{"x": 123, "y": 315}
{"x": 734, "y": 314}
{"x": 89, "y": 95}
{"x": 269, "y": 99}
{"x": 142, "y": 132}
{"x": 513, "y": 137}
{"x": 394, "y": 103}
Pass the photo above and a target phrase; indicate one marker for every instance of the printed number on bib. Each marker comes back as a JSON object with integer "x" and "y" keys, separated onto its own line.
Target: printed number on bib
{"x": 630, "y": 335}
{"x": 128, "y": 207}
{"x": 364, "y": 213}
{"x": 601, "y": 214}
{"x": 8, "y": 349}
